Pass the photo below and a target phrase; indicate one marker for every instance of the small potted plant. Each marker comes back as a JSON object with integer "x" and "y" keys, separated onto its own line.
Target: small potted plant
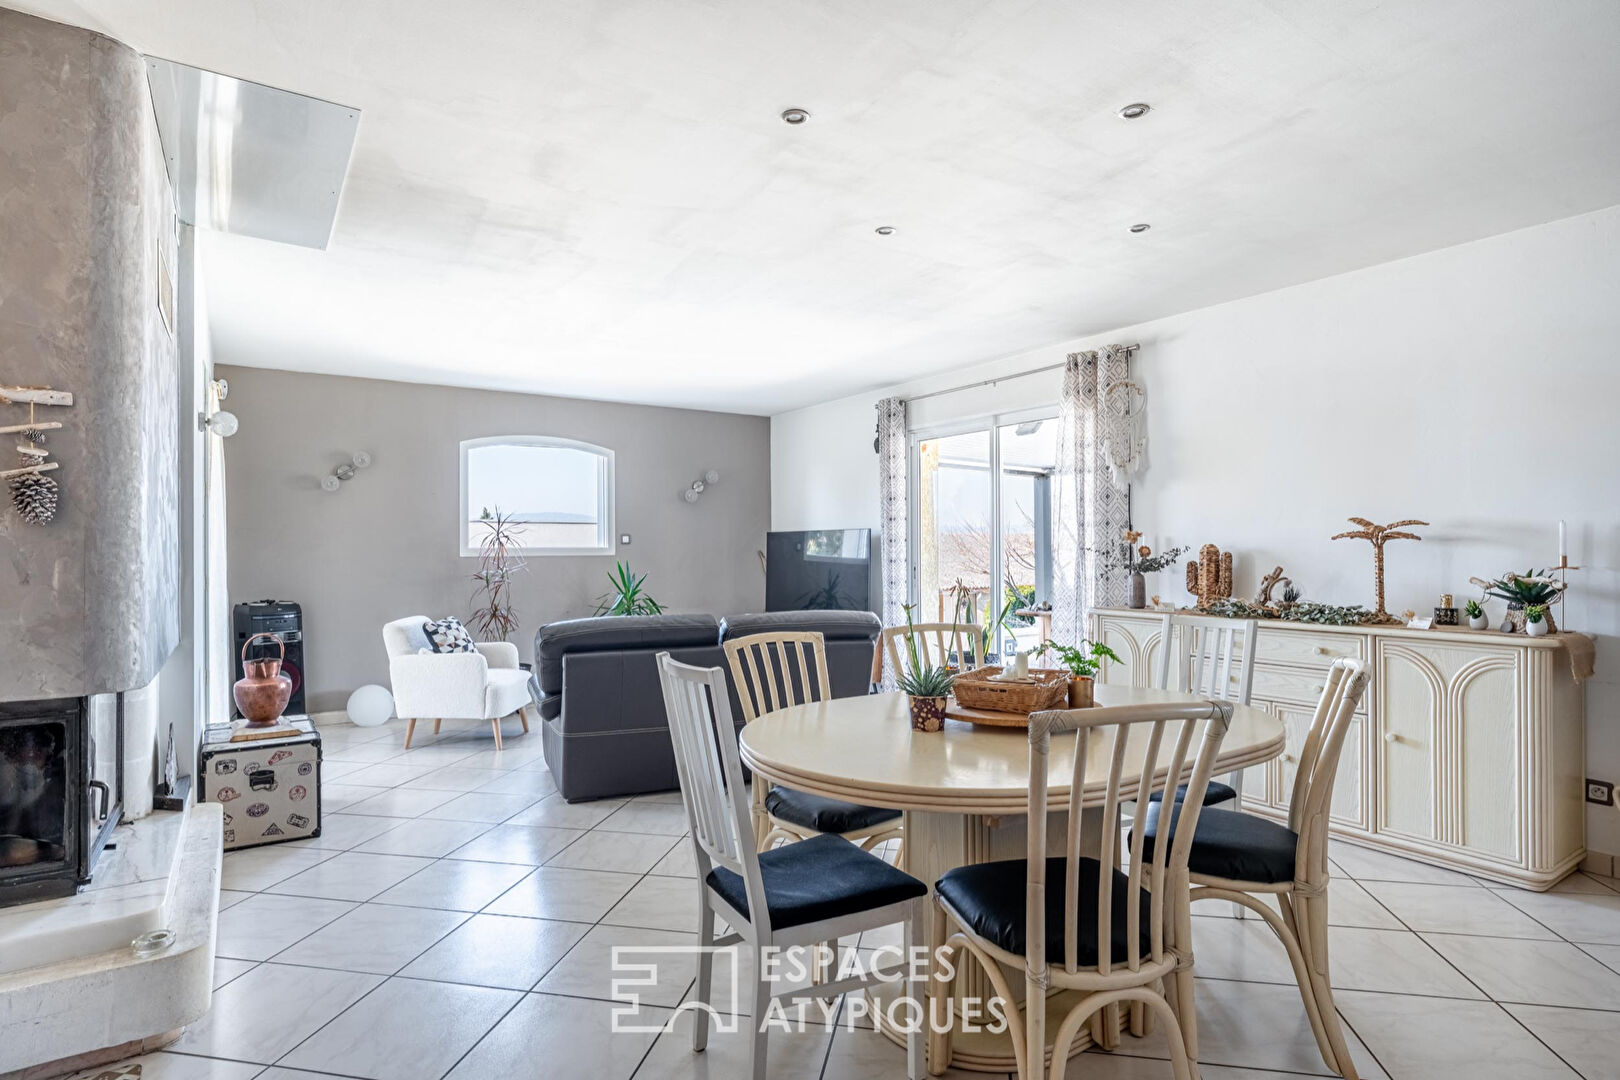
{"x": 1533, "y": 588}
{"x": 1536, "y": 622}
{"x": 627, "y": 595}
{"x": 1081, "y": 661}
{"x": 926, "y": 687}
{"x": 1476, "y": 616}
{"x": 1138, "y": 560}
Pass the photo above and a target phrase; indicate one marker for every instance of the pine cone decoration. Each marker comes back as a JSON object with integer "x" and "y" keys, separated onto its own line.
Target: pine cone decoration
{"x": 35, "y": 436}
{"x": 34, "y": 496}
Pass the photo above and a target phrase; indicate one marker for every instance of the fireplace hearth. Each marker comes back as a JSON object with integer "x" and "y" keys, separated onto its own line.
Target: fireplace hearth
{"x": 61, "y": 793}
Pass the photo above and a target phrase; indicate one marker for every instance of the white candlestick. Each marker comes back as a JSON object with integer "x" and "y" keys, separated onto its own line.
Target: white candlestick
{"x": 1563, "y": 548}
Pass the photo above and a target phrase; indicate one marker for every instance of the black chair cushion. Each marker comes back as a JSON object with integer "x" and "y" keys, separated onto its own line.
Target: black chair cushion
{"x": 1216, "y": 793}
{"x": 821, "y": 878}
{"x": 1233, "y": 845}
{"x": 822, "y": 814}
{"x": 989, "y": 898}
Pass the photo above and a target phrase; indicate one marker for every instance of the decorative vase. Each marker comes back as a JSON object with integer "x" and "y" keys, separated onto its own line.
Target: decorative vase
{"x": 1138, "y": 590}
{"x": 263, "y": 691}
{"x": 1082, "y": 692}
{"x": 1538, "y": 629}
{"x": 927, "y": 713}
{"x": 1479, "y": 622}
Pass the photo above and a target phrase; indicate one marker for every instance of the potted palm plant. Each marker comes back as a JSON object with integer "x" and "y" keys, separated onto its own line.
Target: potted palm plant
{"x": 1082, "y": 662}
{"x": 628, "y": 595}
{"x": 926, "y": 686}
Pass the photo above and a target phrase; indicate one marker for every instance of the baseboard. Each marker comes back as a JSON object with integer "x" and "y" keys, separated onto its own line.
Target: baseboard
{"x": 330, "y": 719}
{"x": 1596, "y": 862}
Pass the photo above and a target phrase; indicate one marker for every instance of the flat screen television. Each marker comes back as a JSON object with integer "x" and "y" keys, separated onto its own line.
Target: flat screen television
{"x": 820, "y": 569}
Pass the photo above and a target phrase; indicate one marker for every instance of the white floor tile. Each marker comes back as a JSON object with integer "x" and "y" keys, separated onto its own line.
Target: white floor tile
{"x": 424, "y": 838}
{"x": 407, "y": 1030}
{"x": 485, "y": 806}
{"x": 455, "y": 778}
{"x": 1242, "y": 949}
{"x": 373, "y": 937}
{"x": 300, "y": 1000}
{"x": 535, "y": 782}
{"x": 680, "y": 862}
{"x": 455, "y": 885}
{"x": 263, "y": 925}
{"x": 626, "y": 853}
{"x": 402, "y": 802}
{"x": 1350, "y": 904}
{"x": 387, "y": 775}
{"x": 498, "y": 950}
{"x": 340, "y": 832}
{"x": 1365, "y": 864}
{"x": 1608, "y": 955}
{"x": 529, "y": 845}
{"x": 351, "y": 875}
{"x": 1587, "y": 1040}
{"x": 1440, "y": 1039}
{"x": 795, "y": 1055}
{"x": 558, "y": 893}
{"x": 553, "y": 811}
{"x": 179, "y": 1067}
{"x": 1532, "y": 972}
{"x": 1098, "y": 1065}
{"x": 587, "y": 971}
{"x": 231, "y": 897}
{"x": 1391, "y": 962}
{"x": 573, "y": 1038}
{"x": 337, "y": 798}
{"x": 658, "y": 903}
{"x": 226, "y": 969}
{"x": 1454, "y": 909}
{"x": 666, "y": 819}
{"x": 255, "y": 869}
{"x": 1586, "y": 917}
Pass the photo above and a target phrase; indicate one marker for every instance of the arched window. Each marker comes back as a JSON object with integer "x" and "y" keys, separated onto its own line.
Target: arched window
{"x": 558, "y": 492}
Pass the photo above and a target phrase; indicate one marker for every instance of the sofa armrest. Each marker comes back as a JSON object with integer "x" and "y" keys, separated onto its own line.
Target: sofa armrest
{"x": 500, "y": 654}
{"x": 449, "y": 685}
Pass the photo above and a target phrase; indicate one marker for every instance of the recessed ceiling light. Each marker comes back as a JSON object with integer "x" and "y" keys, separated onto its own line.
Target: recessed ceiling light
{"x": 1135, "y": 110}
{"x": 1141, "y": 226}
{"x": 885, "y": 230}
{"x": 795, "y": 116}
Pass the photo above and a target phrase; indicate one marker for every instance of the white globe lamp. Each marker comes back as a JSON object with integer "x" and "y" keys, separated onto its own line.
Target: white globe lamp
{"x": 370, "y": 705}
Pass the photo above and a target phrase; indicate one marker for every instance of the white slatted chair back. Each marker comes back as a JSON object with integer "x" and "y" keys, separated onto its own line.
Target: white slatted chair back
{"x": 710, "y": 771}
{"x": 774, "y": 670}
{"x": 1173, "y": 737}
{"x": 1214, "y": 656}
{"x": 1319, "y": 766}
{"x": 938, "y": 645}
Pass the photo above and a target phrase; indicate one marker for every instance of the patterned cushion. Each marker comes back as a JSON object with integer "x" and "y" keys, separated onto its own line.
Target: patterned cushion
{"x": 448, "y": 636}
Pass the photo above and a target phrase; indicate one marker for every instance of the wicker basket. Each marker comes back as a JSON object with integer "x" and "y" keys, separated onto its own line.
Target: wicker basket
{"x": 1045, "y": 690}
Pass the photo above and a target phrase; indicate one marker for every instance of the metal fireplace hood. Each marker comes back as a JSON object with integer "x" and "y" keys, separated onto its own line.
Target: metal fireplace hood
{"x": 251, "y": 159}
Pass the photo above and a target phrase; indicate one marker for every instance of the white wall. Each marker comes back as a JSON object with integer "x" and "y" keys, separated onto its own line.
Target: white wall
{"x": 1474, "y": 387}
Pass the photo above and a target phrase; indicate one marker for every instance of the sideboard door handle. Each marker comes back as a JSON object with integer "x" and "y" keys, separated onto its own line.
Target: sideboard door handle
{"x": 1391, "y": 737}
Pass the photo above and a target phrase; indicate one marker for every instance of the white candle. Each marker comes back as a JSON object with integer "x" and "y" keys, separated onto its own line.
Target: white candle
{"x": 1021, "y": 666}
{"x": 1563, "y": 549}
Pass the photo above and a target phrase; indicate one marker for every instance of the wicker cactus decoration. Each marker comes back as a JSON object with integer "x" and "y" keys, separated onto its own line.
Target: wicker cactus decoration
{"x": 1210, "y": 578}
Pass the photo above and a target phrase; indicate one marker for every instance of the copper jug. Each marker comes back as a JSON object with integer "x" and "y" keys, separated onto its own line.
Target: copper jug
{"x": 262, "y": 692}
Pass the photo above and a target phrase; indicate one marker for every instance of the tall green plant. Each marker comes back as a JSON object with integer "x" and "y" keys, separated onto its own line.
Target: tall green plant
{"x": 627, "y": 595}
{"x": 493, "y": 617}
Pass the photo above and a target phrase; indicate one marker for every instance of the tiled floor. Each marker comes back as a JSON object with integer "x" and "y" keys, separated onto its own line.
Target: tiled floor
{"x": 455, "y": 919}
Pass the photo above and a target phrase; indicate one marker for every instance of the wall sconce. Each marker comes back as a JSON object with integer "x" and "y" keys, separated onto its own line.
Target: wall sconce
{"x": 222, "y": 423}
{"x": 346, "y": 471}
{"x": 692, "y": 493}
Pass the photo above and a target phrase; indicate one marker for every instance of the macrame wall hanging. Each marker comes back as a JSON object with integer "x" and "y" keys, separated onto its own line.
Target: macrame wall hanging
{"x": 1124, "y": 427}
{"x": 33, "y": 494}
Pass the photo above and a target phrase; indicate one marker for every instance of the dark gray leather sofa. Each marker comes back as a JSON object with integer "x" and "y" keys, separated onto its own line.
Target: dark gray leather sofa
{"x": 604, "y": 728}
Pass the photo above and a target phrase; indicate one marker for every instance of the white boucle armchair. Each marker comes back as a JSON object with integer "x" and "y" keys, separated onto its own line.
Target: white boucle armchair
{"x": 484, "y": 685}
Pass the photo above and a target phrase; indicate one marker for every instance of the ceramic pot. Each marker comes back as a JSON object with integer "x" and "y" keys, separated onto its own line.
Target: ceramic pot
{"x": 1138, "y": 590}
{"x": 1082, "y": 692}
{"x": 263, "y": 691}
{"x": 1479, "y": 622}
{"x": 1538, "y": 629}
{"x": 927, "y": 713}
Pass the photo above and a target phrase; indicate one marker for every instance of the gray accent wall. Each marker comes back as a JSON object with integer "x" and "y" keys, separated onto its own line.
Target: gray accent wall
{"x": 386, "y": 544}
{"x": 89, "y": 603}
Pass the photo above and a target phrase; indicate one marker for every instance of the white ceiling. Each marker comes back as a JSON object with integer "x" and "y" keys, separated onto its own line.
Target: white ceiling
{"x": 598, "y": 198}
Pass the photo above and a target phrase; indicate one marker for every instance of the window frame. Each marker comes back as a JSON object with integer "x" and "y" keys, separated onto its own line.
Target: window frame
{"x": 606, "y": 492}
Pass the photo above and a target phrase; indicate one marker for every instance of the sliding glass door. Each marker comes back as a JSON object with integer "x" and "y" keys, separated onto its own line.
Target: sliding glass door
{"x": 982, "y": 527}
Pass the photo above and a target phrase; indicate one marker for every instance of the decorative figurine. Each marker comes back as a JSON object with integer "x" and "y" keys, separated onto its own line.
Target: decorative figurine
{"x": 1378, "y": 536}
{"x": 1446, "y": 613}
{"x": 1269, "y": 582}
{"x": 1210, "y": 578}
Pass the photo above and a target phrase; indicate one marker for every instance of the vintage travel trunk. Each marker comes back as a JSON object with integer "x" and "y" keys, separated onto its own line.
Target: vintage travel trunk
{"x": 270, "y": 789}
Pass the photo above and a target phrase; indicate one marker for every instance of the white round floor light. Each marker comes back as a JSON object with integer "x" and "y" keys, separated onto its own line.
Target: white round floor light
{"x": 370, "y": 705}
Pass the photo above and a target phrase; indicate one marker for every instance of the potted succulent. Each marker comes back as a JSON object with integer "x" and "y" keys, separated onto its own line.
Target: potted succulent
{"x": 1138, "y": 560}
{"x": 926, "y": 687}
{"x": 1537, "y": 620}
{"x": 1476, "y": 616}
{"x": 1522, "y": 591}
{"x": 1081, "y": 661}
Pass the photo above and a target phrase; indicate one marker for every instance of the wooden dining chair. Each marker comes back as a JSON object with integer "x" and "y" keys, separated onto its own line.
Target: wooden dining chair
{"x": 792, "y": 896}
{"x": 1242, "y": 858}
{"x": 1008, "y": 913}
{"x": 772, "y": 671}
{"x": 1207, "y": 648}
{"x": 938, "y": 645}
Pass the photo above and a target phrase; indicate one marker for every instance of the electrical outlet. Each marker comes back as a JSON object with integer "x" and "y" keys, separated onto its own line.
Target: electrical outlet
{"x": 1600, "y": 792}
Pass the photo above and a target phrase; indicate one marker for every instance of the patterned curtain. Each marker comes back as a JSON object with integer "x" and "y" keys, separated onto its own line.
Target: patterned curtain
{"x": 891, "y": 433}
{"x": 1090, "y": 510}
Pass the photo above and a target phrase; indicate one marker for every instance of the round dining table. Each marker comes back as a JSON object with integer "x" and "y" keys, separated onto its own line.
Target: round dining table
{"x": 964, "y": 792}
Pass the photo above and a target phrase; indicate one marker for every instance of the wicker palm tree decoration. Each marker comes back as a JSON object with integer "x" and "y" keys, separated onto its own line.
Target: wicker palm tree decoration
{"x": 1378, "y": 536}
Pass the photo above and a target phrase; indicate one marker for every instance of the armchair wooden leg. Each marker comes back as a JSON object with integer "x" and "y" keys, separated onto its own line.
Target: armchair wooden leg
{"x": 410, "y": 729}
{"x": 496, "y": 725}
{"x": 436, "y": 722}
{"x": 523, "y": 715}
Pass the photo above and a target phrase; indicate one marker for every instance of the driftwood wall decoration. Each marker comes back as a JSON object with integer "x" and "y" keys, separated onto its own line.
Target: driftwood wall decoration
{"x": 32, "y": 492}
